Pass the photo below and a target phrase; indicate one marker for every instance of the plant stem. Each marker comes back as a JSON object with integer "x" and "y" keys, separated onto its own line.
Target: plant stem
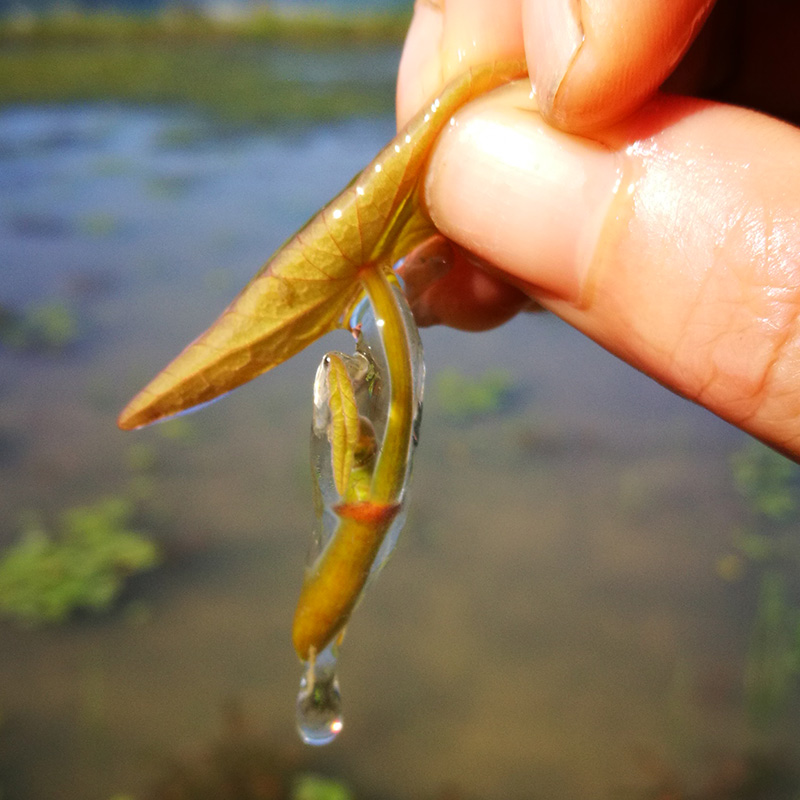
{"x": 333, "y": 584}
{"x": 390, "y": 469}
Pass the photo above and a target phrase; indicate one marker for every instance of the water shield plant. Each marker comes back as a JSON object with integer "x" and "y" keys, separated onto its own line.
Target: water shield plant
{"x": 336, "y": 272}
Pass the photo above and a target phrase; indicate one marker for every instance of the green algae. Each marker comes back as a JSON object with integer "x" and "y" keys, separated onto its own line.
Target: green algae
{"x": 46, "y": 577}
{"x": 50, "y": 326}
{"x": 463, "y": 397}
{"x": 767, "y": 480}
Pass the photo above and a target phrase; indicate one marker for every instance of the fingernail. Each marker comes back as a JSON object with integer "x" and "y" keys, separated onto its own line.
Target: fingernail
{"x": 553, "y": 36}
{"x": 520, "y": 194}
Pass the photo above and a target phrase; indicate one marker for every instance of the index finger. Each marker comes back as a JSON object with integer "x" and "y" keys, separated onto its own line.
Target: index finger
{"x": 448, "y": 36}
{"x": 592, "y": 63}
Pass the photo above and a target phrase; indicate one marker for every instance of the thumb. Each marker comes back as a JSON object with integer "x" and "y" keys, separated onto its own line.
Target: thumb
{"x": 674, "y": 241}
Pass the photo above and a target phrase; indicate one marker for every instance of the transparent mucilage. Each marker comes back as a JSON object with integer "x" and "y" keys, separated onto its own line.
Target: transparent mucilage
{"x": 366, "y": 416}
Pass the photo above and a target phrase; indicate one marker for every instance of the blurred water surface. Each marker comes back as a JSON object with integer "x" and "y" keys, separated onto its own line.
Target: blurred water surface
{"x": 553, "y": 624}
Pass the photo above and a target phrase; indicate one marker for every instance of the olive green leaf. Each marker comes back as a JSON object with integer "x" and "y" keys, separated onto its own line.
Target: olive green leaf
{"x": 345, "y": 425}
{"x": 308, "y": 287}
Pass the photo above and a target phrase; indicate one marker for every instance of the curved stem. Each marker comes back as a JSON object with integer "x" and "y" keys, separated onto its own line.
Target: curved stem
{"x": 333, "y": 585}
{"x": 390, "y": 469}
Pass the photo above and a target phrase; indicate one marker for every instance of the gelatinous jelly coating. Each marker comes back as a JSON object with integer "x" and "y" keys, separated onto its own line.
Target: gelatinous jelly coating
{"x": 336, "y": 414}
{"x": 358, "y": 526}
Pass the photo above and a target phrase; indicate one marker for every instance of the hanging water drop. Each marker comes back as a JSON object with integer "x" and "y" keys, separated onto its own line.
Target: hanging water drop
{"x": 364, "y": 428}
{"x": 319, "y": 701}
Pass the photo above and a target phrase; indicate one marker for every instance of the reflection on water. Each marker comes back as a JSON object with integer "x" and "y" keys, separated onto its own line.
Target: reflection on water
{"x": 553, "y": 624}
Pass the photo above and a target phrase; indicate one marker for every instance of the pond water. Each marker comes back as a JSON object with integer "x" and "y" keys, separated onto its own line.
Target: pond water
{"x": 553, "y": 623}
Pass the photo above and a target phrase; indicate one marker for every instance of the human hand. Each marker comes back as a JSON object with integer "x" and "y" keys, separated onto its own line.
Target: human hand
{"x": 668, "y": 231}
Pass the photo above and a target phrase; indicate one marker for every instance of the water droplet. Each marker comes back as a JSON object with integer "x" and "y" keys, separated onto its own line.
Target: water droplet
{"x": 319, "y": 705}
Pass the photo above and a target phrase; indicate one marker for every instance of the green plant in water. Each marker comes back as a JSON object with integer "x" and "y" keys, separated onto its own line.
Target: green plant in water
{"x": 768, "y": 544}
{"x": 312, "y": 27}
{"x": 178, "y": 429}
{"x": 768, "y": 480}
{"x": 315, "y": 787}
{"x": 51, "y": 326}
{"x": 46, "y": 577}
{"x": 222, "y": 67}
{"x": 463, "y": 397}
{"x": 773, "y": 657}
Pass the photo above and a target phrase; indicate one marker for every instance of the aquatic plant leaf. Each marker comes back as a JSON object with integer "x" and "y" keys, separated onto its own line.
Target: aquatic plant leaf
{"x": 45, "y": 578}
{"x": 307, "y": 288}
{"x": 345, "y": 424}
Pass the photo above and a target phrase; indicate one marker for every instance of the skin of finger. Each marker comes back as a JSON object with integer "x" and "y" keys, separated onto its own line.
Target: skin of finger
{"x": 526, "y": 196}
{"x": 444, "y": 285}
{"x": 696, "y": 278}
{"x": 629, "y": 47}
{"x": 693, "y": 274}
{"x": 419, "y": 75}
{"x": 447, "y": 37}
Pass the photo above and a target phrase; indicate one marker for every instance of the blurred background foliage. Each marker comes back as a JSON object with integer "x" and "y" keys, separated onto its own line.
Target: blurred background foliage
{"x": 182, "y": 55}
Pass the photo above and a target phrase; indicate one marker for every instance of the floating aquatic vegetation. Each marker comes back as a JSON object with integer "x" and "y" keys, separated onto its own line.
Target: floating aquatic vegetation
{"x": 178, "y": 429}
{"x": 463, "y": 397}
{"x": 773, "y": 657}
{"x": 366, "y": 405}
{"x": 45, "y": 577}
{"x": 767, "y": 545}
{"x": 50, "y": 327}
{"x": 312, "y": 26}
{"x": 316, "y": 787}
{"x": 141, "y": 457}
{"x": 219, "y": 66}
{"x": 768, "y": 480}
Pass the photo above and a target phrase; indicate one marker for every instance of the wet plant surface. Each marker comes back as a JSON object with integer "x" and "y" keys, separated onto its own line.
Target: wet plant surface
{"x": 581, "y": 580}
